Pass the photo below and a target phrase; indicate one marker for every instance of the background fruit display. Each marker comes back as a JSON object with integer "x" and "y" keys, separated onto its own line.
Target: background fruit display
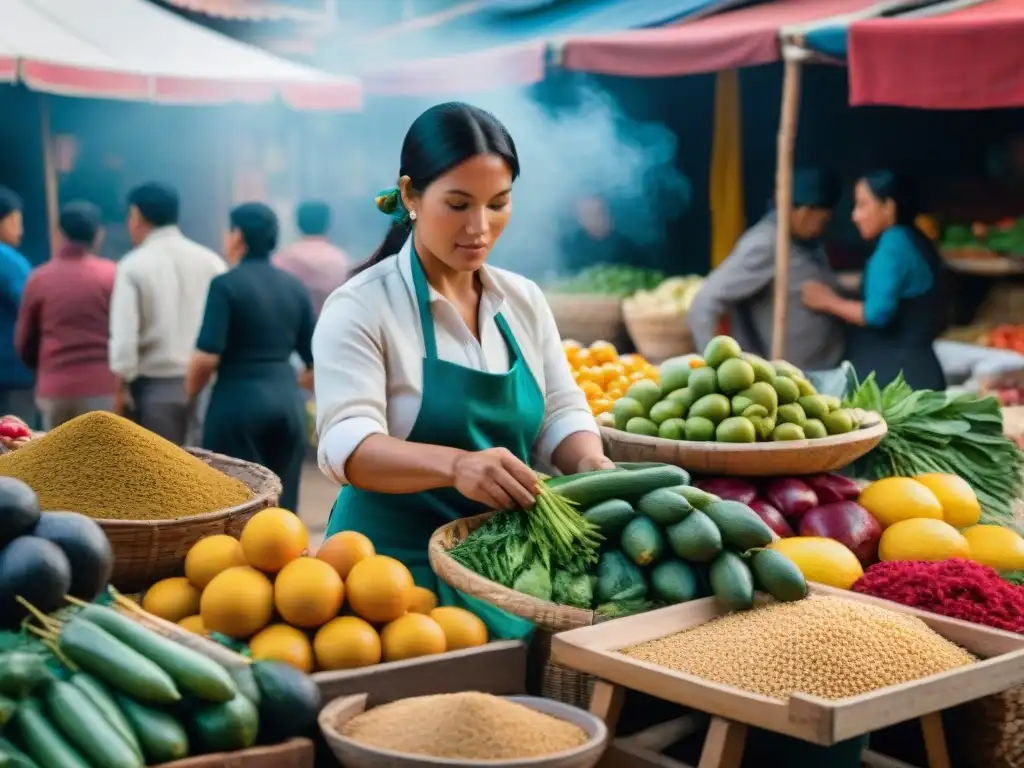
{"x": 674, "y": 295}
{"x": 603, "y": 374}
{"x": 618, "y": 280}
{"x": 343, "y": 608}
{"x": 1004, "y": 237}
{"x": 731, "y": 397}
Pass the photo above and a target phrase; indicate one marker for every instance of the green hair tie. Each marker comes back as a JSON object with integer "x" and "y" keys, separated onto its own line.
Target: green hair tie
{"x": 389, "y": 201}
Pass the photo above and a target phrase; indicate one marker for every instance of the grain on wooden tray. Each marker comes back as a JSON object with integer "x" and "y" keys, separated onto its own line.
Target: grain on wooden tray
{"x": 107, "y": 467}
{"x": 463, "y": 726}
{"x": 824, "y": 646}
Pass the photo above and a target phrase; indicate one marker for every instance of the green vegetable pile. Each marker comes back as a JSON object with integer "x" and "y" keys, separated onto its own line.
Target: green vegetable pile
{"x": 89, "y": 687}
{"x": 661, "y": 542}
{"x": 959, "y": 434}
{"x": 618, "y": 280}
{"x": 1005, "y": 237}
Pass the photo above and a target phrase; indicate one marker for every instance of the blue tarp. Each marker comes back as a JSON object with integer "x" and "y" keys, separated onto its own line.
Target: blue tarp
{"x": 832, "y": 37}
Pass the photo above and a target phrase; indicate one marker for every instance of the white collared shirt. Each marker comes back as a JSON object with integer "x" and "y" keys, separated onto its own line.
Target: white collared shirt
{"x": 158, "y": 304}
{"x": 368, "y": 357}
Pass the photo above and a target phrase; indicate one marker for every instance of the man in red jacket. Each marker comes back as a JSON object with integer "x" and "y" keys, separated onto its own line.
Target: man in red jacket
{"x": 64, "y": 321}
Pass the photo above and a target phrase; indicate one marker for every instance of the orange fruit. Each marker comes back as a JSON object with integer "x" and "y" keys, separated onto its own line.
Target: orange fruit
{"x": 239, "y": 602}
{"x": 346, "y": 642}
{"x": 893, "y": 499}
{"x": 273, "y": 538}
{"x": 284, "y": 644}
{"x": 308, "y": 592}
{"x": 591, "y": 375}
{"x": 193, "y": 624}
{"x": 571, "y": 345}
{"x": 172, "y": 599}
{"x": 423, "y": 600}
{"x": 410, "y": 636}
{"x": 601, "y": 405}
{"x": 610, "y": 372}
{"x": 639, "y": 375}
{"x": 584, "y": 358}
{"x": 960, "y": 507}
{"x": 591, "y": 388}
{"x": 210, "y": 556}
{"x": 603, "y": 352}
{"x": 630, "y": 362}
{"x": 379, "y": 589}
{"x": 575, "y": 375}
{"x": 462, "y": 629}
{"x": 345, "y": 549}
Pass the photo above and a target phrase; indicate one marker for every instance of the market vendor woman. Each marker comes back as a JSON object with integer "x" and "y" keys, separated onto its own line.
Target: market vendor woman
{"x": 439, "y": 380}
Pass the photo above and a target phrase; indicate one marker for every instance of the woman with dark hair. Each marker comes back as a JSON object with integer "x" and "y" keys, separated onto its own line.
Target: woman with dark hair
{"x": 439, "y": 378}
{"x": 901, "y": 314}
{"x": 256, "y": 316}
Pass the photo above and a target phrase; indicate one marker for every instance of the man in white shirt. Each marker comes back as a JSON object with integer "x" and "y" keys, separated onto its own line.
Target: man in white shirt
{"x": 157, "y": 307}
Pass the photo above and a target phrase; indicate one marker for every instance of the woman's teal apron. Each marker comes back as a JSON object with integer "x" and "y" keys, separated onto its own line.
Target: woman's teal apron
{"x": 461, "y": 408}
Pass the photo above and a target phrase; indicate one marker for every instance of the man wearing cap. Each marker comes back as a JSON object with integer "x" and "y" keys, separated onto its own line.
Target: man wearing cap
{"x": 742, "y": 287}
{"x": 64, "y": 320}
{"x": 15, "y": 379}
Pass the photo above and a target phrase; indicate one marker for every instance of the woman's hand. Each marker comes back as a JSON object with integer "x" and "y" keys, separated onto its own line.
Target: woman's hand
{"x": 817, "y": 296}
{"x": 594, "y": 463}
{"x": 495, "y": 477}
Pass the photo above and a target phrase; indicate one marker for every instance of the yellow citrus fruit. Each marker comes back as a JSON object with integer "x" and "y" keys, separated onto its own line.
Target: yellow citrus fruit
{"x": 346, "y": 642}
{"x": 996, "y": 547}
{"x": 412, "y": 635}
{"x": 193, "y": 624}
{"x": 630, "y": 362}
{"x": 571, "y": 344}
{"x": 345, "y": 549}
{"x": 172, "y": 599}
{"x": 893, "y": 499}
{"x": 922, "y": 538}
{"x": 423, "y": 600}
{"x": 239, "y": 602}
{"x": 601, "y": 405}
{"x": 960, "y": 507}
{"x": 379, "y": 589}
{"x": 825, "y": 561}
{"x": 273, "y": 538}
{"x": 591, "y": 388}
{"x": 210, "y": 556}
{"x": 604, "y": 352}
{"x": 280, "y": 642}
{"x": 308, "y": 592}
{"x": 462, "y": 629}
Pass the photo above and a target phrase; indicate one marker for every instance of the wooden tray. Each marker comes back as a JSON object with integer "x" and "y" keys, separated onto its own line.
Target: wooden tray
{"x": 791, "y": 457}
{"x": 991, "y": 266}
{"x": 296, "y": 753}
{"x": 820, "y": 721}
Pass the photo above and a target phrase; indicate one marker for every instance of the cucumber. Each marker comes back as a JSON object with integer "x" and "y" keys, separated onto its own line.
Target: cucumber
{"x": 245, "y": 681}
{"x": 42, "y": 741}
{"x": 161, "y": 736}
{"x": 225, "y": 727}
{"x": 12, "y": 757}
{"x": 632, "y": 466}
{"x": 7, "y": 707}
{"x": 21, "y": 673}
{"x": 618, "y": 578}
{"x": 559, "y": 480}
{"x": 289, "y": 702}
{"x": 673, "y": 581}
{"x": 103, "y": 700}
{"x": 610, "y": 516}
{"x": 741, "y": 528}
{"x": 664, "y": 506}
{"x": 698, "y": 498}
{"x": 642, "y": 541}
{"x": 732, "y": 582}
{"x": 594, "y": 487}
{"x": 194, "y": 673}
{"x": 779, "y": 576}
{"x": 87, "y": 729}
{"x": 696, "y": 538}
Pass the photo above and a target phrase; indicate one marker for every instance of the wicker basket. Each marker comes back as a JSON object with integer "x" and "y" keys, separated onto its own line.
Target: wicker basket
{"x": 657, "y": 335}
{"x": 560, "y": 683}
{"x": 990, "y": 731}
{"x": 588, "y": 318}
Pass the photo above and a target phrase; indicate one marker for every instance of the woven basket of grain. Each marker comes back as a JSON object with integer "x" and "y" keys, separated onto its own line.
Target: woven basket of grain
{"x": 990, "y": 731}
{"x": 559, "y": 683}
{"x": 588, "y": 318}
{"x": 657, "y": 334}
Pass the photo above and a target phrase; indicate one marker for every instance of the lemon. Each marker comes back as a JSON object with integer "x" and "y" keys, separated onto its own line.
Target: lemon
{"x": 823, "y": 560}
{"x": 922, "y": 538}
{"x": 960, "y": 507}
{"x": 894, "y": 499}
{"x": 996, "y": 547}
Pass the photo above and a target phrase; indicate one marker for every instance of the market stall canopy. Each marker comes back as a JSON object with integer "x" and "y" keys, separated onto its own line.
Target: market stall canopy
{"x": 490, "y": 44}
{"x": 740, "y": 38}
{"x": 129, "y": 49}
{"x": 252, "y": 10}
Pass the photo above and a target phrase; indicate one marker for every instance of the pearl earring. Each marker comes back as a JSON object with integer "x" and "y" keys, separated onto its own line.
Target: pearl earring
{"x": 412, "y": 215}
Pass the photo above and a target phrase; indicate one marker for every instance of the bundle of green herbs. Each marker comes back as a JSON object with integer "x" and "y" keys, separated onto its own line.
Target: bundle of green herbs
{"x": 521, "y": 549}
{"x": 960, "y": 434}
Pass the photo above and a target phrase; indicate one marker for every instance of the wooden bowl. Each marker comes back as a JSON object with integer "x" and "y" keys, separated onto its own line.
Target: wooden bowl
{"x": 352, "y": 754}
{"x": 790, "y": 457}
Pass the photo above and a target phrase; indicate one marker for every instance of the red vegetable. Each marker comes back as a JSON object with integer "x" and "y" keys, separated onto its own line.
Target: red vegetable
{"x": 13, "y": 429}
{"x": 831, "y": 488}
{"x": 791, "y": 496}
{"x": 849, "y": 524}
{"x": 772, "y": 517}
{"x": 731, "y": 488}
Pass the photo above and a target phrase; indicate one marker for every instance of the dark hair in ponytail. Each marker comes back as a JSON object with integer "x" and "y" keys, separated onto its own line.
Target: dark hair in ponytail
{"x": 438, "y": 140}
{"x": 886, "y": 185}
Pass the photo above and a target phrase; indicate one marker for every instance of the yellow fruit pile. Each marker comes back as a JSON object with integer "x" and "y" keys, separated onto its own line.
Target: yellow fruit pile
{"x": 346, "y": 607}
{"x": 603, "y": 374}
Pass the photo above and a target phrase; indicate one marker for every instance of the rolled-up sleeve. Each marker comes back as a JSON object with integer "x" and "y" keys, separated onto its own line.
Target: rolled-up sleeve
{"x": 124, "y": 327}
{"x": 566, "y": 410}
{"x": 350, "y": 381}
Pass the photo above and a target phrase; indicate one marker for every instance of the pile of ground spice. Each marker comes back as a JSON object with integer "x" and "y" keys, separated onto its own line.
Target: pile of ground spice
{"x": 107, "y": 467}
{"x": 959, "y": 589}
{"x": 464, "y": 726}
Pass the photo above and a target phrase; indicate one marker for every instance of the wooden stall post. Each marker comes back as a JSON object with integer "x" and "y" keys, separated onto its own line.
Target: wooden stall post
{"x": 49, "y": 176}
{"x": 788, "y": 122}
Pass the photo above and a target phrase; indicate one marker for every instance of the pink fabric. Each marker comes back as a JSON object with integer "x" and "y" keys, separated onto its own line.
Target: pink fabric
{"x": 64, "y": 323}
{"x": 967, "y": 59}
{"x": 317, "y": 264}
{"x": 743, "y": 38}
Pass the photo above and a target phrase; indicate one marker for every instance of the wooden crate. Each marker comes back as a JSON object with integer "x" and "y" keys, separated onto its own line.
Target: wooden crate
{"x": 296, "y": 753}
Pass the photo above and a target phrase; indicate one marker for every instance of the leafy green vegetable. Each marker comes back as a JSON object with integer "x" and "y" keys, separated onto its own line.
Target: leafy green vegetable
{"x": 621, "y": 608}
{"x": 960, "y": 434}
{"x": 621, "y": 280}
{"x": 575, "y": 589}
{"x": 1014, "y": 577}
{"x": 534, "y": 581}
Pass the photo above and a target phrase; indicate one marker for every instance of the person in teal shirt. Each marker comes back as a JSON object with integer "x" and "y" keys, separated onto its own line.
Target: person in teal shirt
{"x": 893, "y": 326}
